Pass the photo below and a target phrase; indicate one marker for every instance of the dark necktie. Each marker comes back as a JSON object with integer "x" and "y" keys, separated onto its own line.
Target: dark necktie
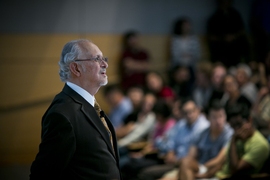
{"x": 101, "y": 116}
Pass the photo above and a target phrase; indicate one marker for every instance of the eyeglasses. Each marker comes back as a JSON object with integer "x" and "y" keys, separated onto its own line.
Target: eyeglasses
{"x": 97, "y": 59}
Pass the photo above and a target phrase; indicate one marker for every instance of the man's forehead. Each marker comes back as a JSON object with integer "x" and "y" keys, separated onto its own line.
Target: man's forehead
{"x": 236, "y": 119}
{"x": 89, "y": 48}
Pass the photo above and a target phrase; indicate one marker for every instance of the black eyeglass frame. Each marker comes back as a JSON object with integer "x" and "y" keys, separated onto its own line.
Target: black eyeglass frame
{"x": 97, "y": 59}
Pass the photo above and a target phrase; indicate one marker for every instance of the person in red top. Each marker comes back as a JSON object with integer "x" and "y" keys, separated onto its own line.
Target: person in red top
{"x": 156, "y": 85}
{"x": 134, "y": 62}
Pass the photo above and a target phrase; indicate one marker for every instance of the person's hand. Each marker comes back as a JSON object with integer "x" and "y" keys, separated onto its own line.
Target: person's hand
{"x": 201, "y": 176}
{"x": 243, "y": 132}
{"x": 170, "y": 158}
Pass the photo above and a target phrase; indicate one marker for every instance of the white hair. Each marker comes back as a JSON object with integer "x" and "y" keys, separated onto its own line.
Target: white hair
{"x": 70, "y": 52}
{"x": 245, "y": 68}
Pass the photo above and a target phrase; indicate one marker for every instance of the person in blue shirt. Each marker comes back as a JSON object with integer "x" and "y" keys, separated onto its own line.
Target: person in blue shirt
{"x": 205, "y": 154}
{"x": 177, "y": 141}
{"x": 121, "y": 106}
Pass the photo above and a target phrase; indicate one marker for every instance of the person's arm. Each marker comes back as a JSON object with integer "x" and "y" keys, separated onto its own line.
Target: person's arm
{"x": 237, "y": 164}
{"x": 123, "y": 130}
{"x": 133, "y": 65}
{"x": 170, "y": 158}
{"x": 217, "y": 160}
{"x": 214, "y": 165}
{"x": 140, "y": 130}
{"x": 193, "y": 152}
{"x": 56, "y": 149}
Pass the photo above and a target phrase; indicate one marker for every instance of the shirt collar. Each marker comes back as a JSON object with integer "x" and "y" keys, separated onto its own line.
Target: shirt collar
{"x": 86, "y": 95}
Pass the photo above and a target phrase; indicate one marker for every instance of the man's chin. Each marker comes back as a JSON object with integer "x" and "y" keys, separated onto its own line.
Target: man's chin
{"x": 104, "y": 83}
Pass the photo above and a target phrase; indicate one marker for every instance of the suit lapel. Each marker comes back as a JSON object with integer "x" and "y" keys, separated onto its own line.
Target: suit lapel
{"x": 92, "y": 116}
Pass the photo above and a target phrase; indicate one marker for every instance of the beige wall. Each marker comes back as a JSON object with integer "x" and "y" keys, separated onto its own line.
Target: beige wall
{"x": 29, "y": 80}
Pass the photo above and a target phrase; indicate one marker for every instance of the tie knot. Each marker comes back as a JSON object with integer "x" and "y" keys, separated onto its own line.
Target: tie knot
{"x": 97, "y": 107}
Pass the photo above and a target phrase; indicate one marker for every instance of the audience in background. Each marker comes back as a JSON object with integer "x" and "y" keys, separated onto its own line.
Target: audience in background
{"x": 207, "y": 151}
{"x": 163, "y": 129}
{"x": 136, "y": 95}
{"x": 258, "y": 76}
{"x": 177, "y": 110}
{"x": 181, "y": 82}
{"x": 247, "y": 88}
{"x": 261, "y": 111}
{"x": 120, "y": 105}
{"x": 156, "y": 84}
{"x": 202, "y": 90}
{"x": 139, "y": 160}
{"x": 176, "y": 142}
{"x": 218, "y": 73}
{"x": 143, "y": 125}
{"x": 232, "y": 94}
{"x": 185, "y": 46}
{"x": 136, "y": 127}
{"x": 134, "y": 62}
{"x": 248, "y": 149}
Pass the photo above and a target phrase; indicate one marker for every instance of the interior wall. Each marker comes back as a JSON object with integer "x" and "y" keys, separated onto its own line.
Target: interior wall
{"x": 32, "y": 34}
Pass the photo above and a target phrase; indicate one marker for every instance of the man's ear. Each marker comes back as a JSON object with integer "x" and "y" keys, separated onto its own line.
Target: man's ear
{"x": 75, "y": 69}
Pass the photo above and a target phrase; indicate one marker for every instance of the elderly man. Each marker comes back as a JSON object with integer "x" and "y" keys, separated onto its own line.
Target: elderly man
{"x": 78, "y": 141}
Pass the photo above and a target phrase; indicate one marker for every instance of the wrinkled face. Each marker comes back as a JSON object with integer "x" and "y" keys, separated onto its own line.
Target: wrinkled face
{"x": 230, "y": 85}
{"x": 94, "y": 72}
{"x": 217, "y": 119}
{"x": 191, "y": 111}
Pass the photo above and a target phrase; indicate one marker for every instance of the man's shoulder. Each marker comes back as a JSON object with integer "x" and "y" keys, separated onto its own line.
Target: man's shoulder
{"x": 258, "y": 139}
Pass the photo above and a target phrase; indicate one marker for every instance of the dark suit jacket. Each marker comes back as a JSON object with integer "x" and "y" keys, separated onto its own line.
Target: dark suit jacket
{"x": 75, "y": 144}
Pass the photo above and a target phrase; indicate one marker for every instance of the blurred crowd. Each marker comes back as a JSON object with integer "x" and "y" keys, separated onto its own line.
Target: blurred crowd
{"x": 187, "y": 121}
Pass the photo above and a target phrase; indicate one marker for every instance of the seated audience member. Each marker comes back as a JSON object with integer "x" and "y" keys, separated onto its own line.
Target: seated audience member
{"x": 143, "y": 125}
{"x": 120, "y": 105}
{"x": 258, "y": 74}
{"x": 247, "y": 88}
{"x": 136, "y": 95}
{"x": 218, "y": 73}
{"x": 232, "y": 93}
{"x": 156, "y": 84}
{"x": 176, "y": 142}
{"x": 134, "y": 62}
{"x": 136, "y": 126}
{"x": 137, "y": 160}
{"x": 207, "y": 151}
{"x": 177, "y": 109}
{"x": 247, "y": 150}
{"x": 203, "y": 88}
{"x": 181, "y": 81}
{"x": 261, "y": 111}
